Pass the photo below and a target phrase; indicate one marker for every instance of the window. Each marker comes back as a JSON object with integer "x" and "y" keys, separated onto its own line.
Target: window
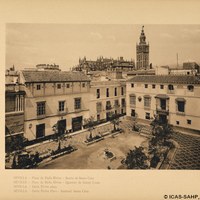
{"x": 99, "y": 107}
{"x": 161, "y": 86}
{"x": 181, "y": 106}
{"x": 68, "y": 85}
{"x": 153, "y": 86}
{"x": 58, "y": 86}
{"x": 116, "y": 102}
{"x": 147, "y": 115}
{"x": 98, "y": 93}
{"x": 189, "y": 121}
{"x": 61, "y": 105}
{"x": 115, "y": 91}
{"x": 132, "y": 85}
{"x": 170, "y": 87}
{"x": 38, "y": 87}
{"x": 41, "y": 108}
{"x": 107, "y": 92}
{"x": 177, "y": 122}
{"x": 190, "y": 88}
{"x": 147, "y": 102}
{"x": 77, "y": 103}
{"x": 122, "y": 91}
{"x": 108, "y": 105}
{"x": 132, "y": 100}
{"x": 123, "y": 102}
{"x": 132, "y": 112}
{"x": 83, "y": 84}
{"x": 146, "y": 85}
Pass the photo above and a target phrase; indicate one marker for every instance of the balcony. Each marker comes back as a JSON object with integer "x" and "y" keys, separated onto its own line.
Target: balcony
{"x": 123, "y": 104}
{"x": 41, "y": 116}
{"x": 116, "y": 106}
{"x": 162, "y": 109}
{"x": 14, "y": 88}
{"x": 108, "y": 107}
{"x": 62, "y": 112}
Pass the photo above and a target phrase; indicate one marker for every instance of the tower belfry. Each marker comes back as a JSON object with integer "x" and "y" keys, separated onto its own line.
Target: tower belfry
{"x": 142, "y": 52}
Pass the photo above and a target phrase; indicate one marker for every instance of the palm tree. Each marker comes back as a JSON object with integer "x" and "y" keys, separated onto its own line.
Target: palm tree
{"x": 161, "y": 133}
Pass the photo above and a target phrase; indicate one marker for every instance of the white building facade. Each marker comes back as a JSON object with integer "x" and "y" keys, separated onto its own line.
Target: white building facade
{"x": 54, "y": 97}
{"x": 173, "y": 98}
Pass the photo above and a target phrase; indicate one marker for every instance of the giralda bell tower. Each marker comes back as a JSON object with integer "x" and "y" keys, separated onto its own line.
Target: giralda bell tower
{"x": 142, "y": 51}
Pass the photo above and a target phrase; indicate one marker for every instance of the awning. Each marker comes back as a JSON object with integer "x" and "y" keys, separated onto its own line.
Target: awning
{"x": 13, "y": 130}
{"x": 162, "y": 96}
{"x": 180, "y": 99}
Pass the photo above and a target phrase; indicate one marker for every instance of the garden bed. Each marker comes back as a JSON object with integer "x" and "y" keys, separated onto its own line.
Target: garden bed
{"x": 93, "y": 140}
{"x": 63, "y": 151}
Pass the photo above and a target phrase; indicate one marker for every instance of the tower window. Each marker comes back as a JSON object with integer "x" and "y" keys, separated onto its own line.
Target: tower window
{"x": 132, "y": 85}
{"x": 122, "y": 91}
{"x": 115, "y": 91}
{"x": 146, "y": 85}
{"x": 189, "y": 121}
{"x": 98, "y": 93}
{"x": 107, "y": 92}
{"x": 153, "y": 86}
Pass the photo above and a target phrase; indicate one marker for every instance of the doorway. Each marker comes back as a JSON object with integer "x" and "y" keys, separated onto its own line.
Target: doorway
{"x": 77, "y": 123}
{"x": 40, "y": 130}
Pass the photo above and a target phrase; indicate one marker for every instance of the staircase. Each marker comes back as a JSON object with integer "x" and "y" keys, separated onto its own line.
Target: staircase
{"x": 146, "y": 131}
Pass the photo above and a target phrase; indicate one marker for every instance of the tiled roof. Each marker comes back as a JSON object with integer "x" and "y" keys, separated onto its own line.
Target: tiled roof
{"x": 53, "y": 76}
{"x": 179, "y": 79}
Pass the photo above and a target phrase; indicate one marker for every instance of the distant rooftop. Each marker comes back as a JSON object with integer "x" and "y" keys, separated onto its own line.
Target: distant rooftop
{"x": 179, "y": 79}
{"x": 47, "y": 67}
{"x": 53, "y": 76}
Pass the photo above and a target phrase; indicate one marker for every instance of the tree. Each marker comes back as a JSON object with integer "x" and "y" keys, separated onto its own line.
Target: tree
{"x": 136, "y": 159}
{"x": 14, "y": 163}
{"x": 114, "y": 119}
{"x": 14, "y": 143}
{"x": 161, "y": 132}
{"x": 90, "y": 125}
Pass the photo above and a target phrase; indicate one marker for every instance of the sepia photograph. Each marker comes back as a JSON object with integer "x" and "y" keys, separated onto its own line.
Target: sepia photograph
{"x": 102, "y": 96}
{"x": 100, "y": 99}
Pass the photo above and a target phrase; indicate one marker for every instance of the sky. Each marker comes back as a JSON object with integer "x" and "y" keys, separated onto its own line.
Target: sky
{"x": 30, "y": 44}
